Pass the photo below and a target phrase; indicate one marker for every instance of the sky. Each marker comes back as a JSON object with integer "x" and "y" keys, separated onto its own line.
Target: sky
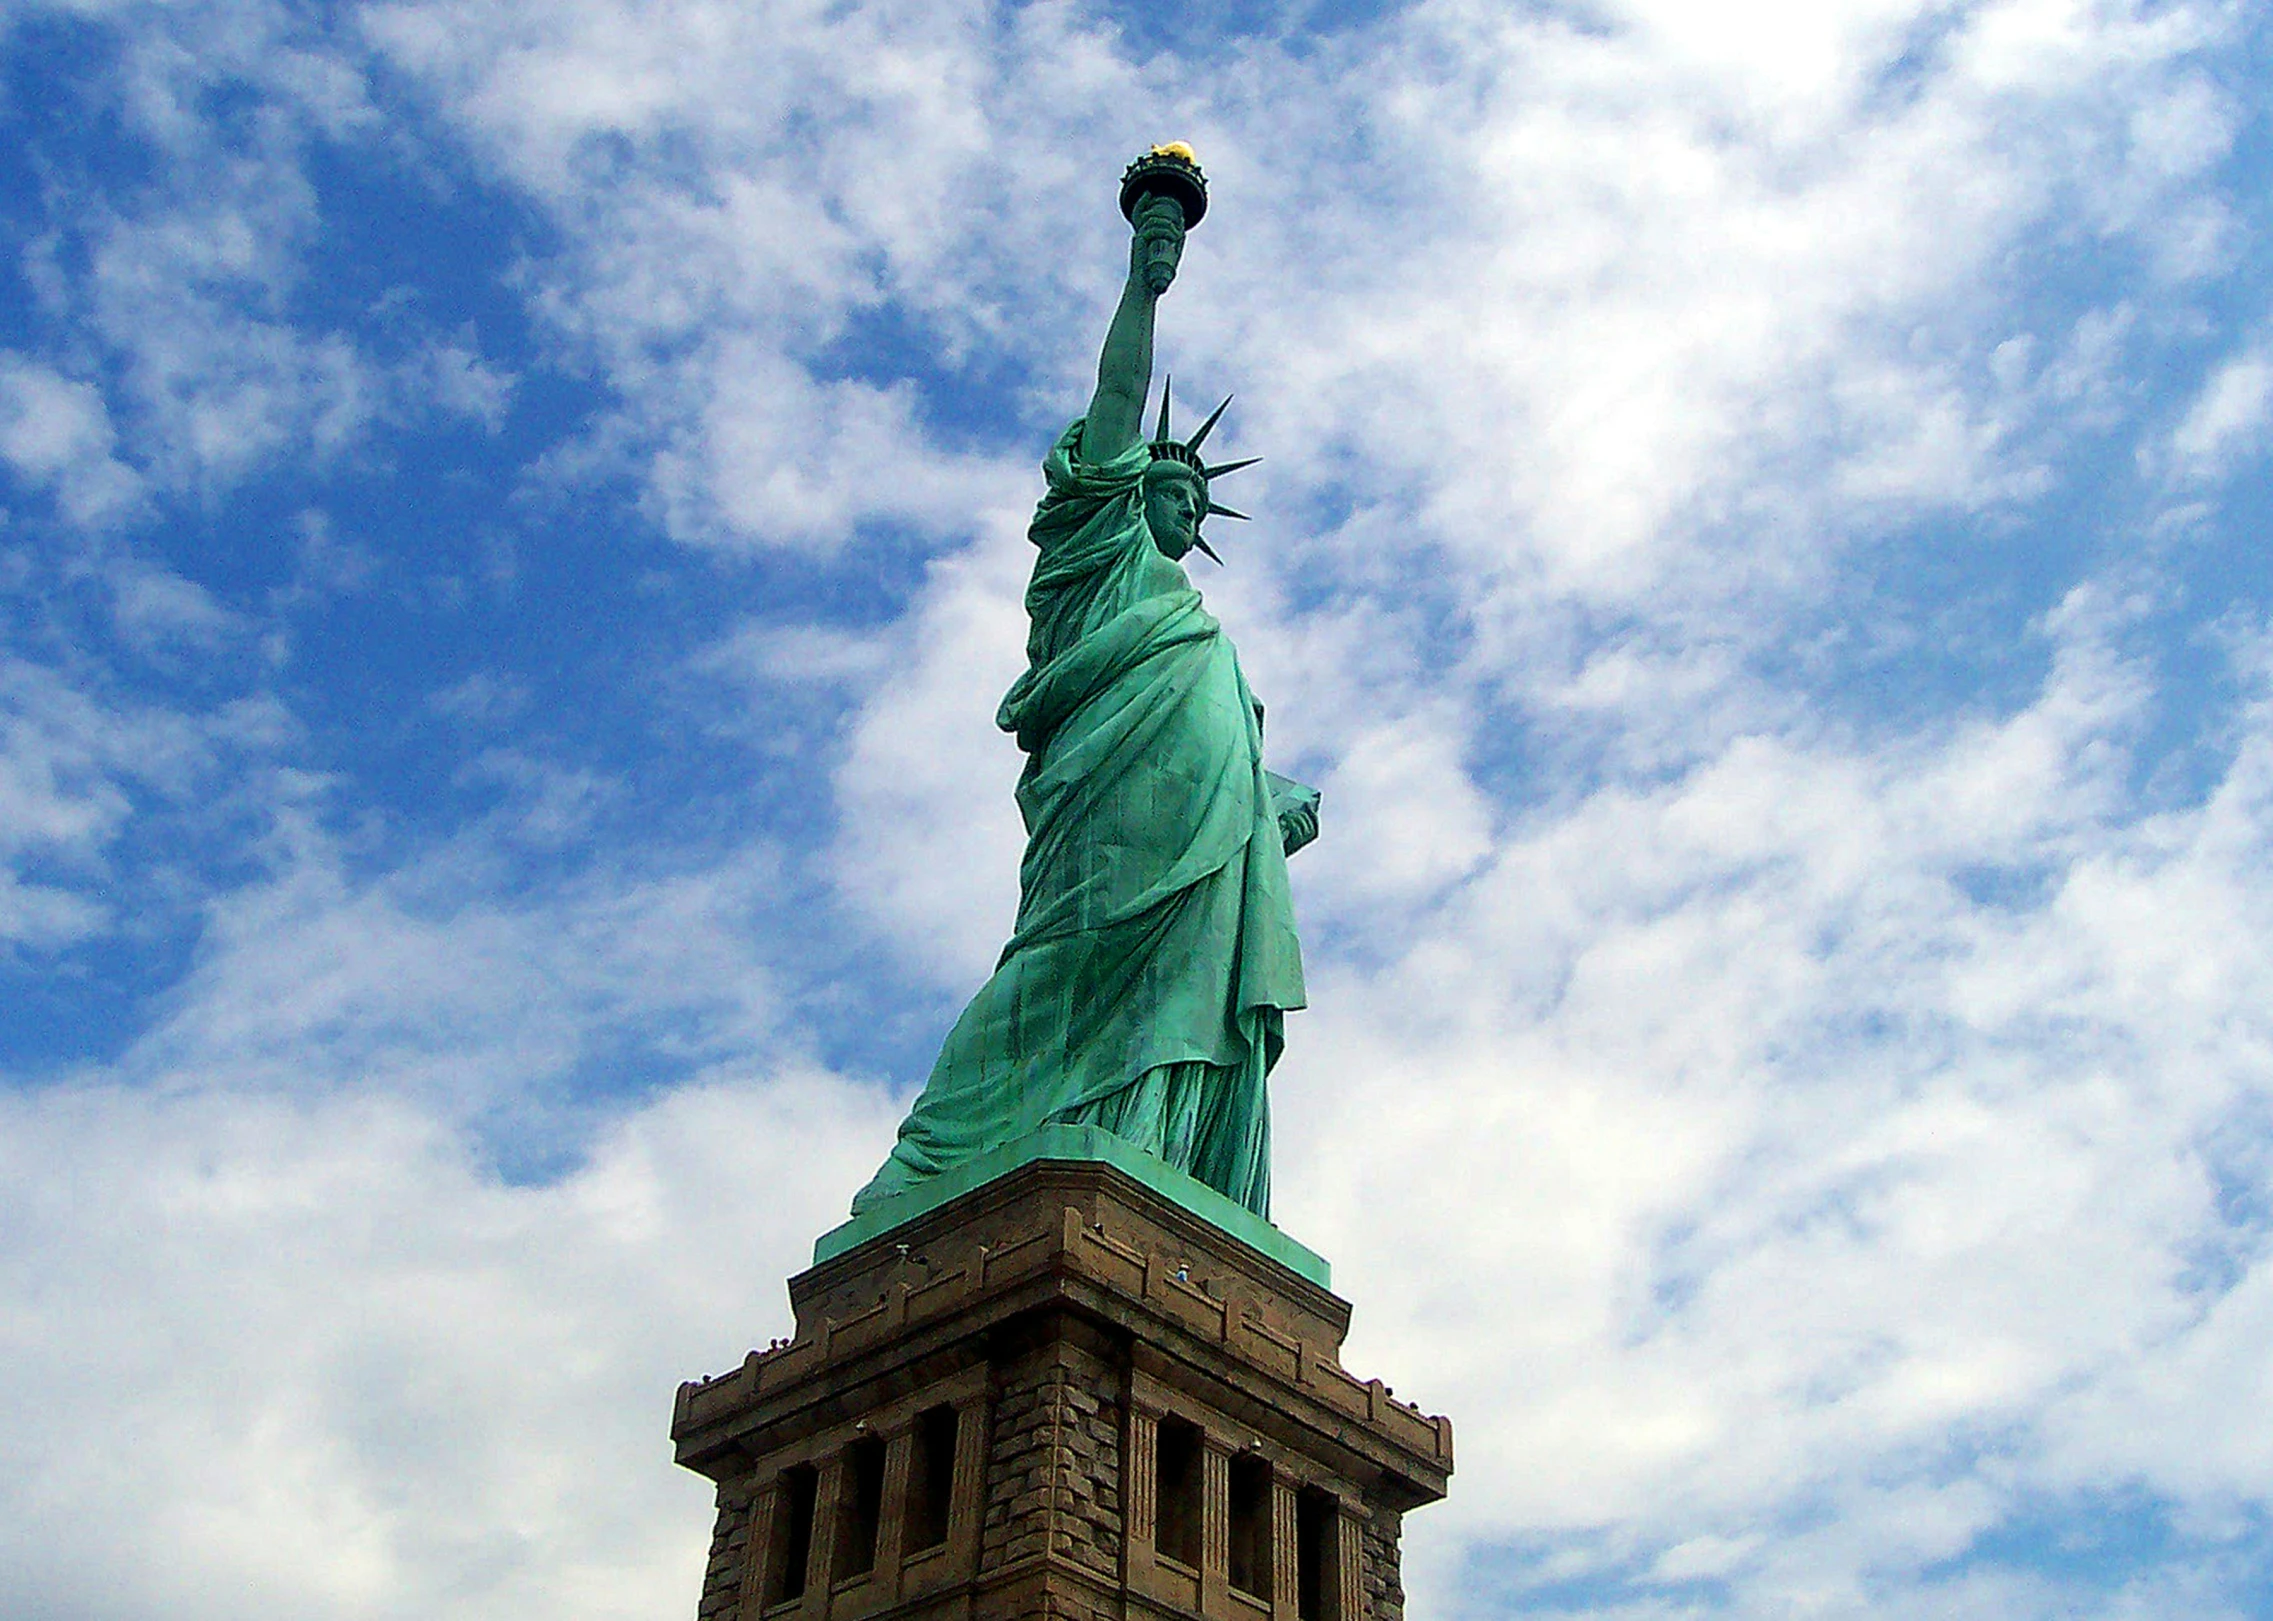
{"x": 511, "y": 538}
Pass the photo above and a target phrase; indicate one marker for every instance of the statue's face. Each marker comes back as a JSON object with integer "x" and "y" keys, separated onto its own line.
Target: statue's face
{"x": 1173, "y": 505}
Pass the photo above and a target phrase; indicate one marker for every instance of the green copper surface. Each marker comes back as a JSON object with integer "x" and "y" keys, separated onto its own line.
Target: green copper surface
{"x": 1078, "y": 1143}
{"x": 1144, "y": 990}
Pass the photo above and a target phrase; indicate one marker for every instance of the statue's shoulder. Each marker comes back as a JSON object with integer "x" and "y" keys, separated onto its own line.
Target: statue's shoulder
{"x": 1066, "y": 469}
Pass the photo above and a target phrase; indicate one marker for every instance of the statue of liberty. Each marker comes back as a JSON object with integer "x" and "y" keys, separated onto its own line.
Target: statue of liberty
{"x": 1145, "y": 986}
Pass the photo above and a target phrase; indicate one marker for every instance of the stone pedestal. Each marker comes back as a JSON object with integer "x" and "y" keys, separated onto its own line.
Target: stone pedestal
{"x": 1059, "y": 1394}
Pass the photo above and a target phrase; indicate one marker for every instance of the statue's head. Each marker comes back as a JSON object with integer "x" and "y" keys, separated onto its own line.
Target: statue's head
{"x": 1176, "y": 499}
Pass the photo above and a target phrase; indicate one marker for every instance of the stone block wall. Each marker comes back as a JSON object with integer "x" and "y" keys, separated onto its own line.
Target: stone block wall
{"x": 1384, "y": 1585}
{"x": 1053, "y": 1476}
{"x": 1066, "y": 1315}
{"x": 729, "y": 1557}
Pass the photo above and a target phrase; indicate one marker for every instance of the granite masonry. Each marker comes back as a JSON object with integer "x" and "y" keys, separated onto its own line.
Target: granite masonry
{"x": 1059, "y": 1395}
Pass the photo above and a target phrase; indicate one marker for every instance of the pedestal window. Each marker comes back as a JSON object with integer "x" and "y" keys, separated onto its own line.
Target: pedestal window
{"x": 1178, "y": 1492}
{"x": 1250, "y": 1527}
{"x": 931, "y": 1478}
{"x": 1317, "y": 1546}
{"x": 860, "y": 1508}
{"x": 792, "y": 1540}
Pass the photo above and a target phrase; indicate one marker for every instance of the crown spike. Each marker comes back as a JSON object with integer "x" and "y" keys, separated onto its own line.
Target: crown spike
{"x": 1222, "y": 468}
{"x": 1167, "y": 387}
{"x": 1210, "y": 550}
{"x": 1215, "y": 511}
{"x": 1208, "y": 426}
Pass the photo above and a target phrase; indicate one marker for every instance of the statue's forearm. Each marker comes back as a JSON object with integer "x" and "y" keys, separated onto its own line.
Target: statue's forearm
{"x": 1124, "y": 377}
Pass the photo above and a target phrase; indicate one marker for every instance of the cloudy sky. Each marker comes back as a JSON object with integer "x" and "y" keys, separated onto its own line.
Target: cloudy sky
{"x": 511, "y": 526}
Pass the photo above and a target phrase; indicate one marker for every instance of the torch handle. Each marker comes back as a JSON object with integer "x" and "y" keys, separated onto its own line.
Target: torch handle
{"x": 1162, "y": 252}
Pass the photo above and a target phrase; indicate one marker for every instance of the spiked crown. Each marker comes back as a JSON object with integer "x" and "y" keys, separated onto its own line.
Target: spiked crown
{"x": 1166, "y": 448}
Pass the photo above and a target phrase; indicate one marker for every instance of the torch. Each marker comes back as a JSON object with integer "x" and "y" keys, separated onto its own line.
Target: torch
{"x": 1166, "y": 171}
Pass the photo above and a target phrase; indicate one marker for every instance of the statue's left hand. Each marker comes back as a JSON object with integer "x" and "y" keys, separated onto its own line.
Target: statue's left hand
{"x": 1298, "y": 826}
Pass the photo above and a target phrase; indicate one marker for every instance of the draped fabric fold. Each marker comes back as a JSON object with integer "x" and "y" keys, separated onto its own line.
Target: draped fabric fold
{"x": 1145, "y": 985}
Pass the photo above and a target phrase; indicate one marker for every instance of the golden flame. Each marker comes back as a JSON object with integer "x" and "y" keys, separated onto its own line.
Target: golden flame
{"x": 1176, "y": 149}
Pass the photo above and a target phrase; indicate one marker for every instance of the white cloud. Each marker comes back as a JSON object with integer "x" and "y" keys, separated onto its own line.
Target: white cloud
{"x": 777, "y": 457}
{"x": 185, "y": 285}
{"x": 484, "y": 699}
{"x": 1399, "y": 794}
{"x": 218, "y": 388}
{"x": 797, "y": 656}
{"x": 712, "y": 294}
{"x": 1773, "y": 1159}
{"x": 453, "y": 377}
{"x": 1632, "y": 280}
{"x": 354, "y": 1375}
{"x": 56, "y": 434}
{"x": 154, "y": 608}
{"x": 355, "y": 1370}
{"x": 72, "y": 767}
{"x": 43, "y": 915}
{"x": 2227, "y": 420}
{"x": 328, "y": 564}
{"x": 427, "y": 983}
{"x": 929, "y": 841}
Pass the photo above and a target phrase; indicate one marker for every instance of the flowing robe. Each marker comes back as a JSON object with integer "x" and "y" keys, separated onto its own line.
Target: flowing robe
{"x": 1145, "y": 986}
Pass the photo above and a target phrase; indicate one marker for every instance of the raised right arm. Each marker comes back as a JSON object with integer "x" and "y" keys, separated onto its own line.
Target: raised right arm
{"x": 1124, "y": 369}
